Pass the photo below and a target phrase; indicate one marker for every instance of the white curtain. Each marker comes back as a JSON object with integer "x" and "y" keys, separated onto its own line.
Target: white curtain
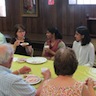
{"x": 2, "y": 8}
{"x": 89, "y": 2}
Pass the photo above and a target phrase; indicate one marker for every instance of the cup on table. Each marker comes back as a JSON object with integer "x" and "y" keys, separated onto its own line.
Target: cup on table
{"x": 46, "y": 46}
{"x": 44, "y": 69}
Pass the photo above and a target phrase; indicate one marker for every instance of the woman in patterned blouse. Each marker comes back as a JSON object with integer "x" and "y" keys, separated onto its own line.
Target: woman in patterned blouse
{"x": 65, "y": 65}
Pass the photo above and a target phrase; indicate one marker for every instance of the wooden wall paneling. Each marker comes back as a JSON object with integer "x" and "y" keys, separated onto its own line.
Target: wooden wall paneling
{"x": 1, "y": 27}
{"x": 66, "y": 17}
{"x": 44, "y": 16}
{"x": 13, "y": 14}
{"x": 59, "y": 6}
{"x": 94, "y": 13}
{"x": 71, "y": 20}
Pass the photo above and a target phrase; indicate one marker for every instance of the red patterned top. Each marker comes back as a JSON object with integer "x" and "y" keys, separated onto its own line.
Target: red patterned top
{"x": 54, "y": 47}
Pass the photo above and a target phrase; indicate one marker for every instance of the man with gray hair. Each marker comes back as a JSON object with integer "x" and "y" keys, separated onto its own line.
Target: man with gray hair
{"x": 10, "y": 84}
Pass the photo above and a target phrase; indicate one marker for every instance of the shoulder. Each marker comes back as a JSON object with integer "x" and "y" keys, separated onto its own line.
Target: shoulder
{"x": 1, "y": 35}
{"x": 90, "y": 46}
{"x": 8, "y": 79}
{"x": 12, "y": 78}
{"x": 27, "y": 40}
{"x": 61, "y": 44}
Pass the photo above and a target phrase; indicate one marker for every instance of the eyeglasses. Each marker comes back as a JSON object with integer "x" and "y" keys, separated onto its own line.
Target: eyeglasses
{"x": 21, "y": 30}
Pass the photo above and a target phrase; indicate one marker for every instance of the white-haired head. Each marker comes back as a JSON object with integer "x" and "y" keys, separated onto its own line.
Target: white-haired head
{"x": 6, "y": 53}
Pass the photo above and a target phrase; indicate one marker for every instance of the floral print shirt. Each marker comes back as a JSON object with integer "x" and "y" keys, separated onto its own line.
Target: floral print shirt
{"x": 51, "y": 90}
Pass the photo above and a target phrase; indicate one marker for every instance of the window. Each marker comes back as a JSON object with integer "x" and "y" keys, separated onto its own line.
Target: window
{"x": 84, "y": 2}
{"x": 2, "y": 8}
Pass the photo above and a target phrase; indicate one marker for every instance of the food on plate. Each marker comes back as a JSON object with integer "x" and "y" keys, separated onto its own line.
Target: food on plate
{"x": 32, "y": 79}
{"x": 24, "y": 76}
{"x": 21, "y": 60}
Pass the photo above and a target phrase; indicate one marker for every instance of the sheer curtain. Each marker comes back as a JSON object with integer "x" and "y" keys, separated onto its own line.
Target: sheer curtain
{"x": 2, "y": 8}
{"x": 84, "y": 2}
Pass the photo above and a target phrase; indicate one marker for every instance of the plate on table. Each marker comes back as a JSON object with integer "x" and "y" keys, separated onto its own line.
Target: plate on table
{"x": 36, "y": 60}
{"x": 24, "y": 44}
{"x": 32, "y": 79}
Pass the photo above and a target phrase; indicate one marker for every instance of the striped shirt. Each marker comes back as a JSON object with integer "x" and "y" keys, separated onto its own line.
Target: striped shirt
{"x": 13, "y": 85}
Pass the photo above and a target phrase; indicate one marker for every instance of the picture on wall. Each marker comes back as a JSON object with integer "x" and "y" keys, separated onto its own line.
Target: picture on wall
{"x": 29, "y": 8}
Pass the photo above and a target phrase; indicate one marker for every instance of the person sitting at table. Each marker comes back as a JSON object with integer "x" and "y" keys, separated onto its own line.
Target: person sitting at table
{"x": 65, "y": 64}
{"x": 53, "y": 43}
{"x": 21, "y": 44}
{"x": 83, "y": 47}
{"x": 11, "y": 84}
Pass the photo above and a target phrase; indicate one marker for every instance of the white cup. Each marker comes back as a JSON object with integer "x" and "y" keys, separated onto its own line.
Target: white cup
{"x": 44, "y": 69}
{"x": 46, "y": 46}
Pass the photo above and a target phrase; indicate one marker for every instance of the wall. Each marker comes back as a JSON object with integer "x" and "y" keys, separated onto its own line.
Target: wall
{"x": 63, "y": 16}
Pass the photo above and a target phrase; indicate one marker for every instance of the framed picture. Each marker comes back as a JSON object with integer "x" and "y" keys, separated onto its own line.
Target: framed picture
{"x": 29, "y": 8}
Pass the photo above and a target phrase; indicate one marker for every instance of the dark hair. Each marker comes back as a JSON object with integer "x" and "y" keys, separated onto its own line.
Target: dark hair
{"x": 55, "y": 31}
{"x": 16, "y": 27}
{"x": 65, "y": 62}
{"x": 83, "y": 30}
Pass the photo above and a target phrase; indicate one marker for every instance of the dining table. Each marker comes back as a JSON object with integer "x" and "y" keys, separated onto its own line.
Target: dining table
{"x": 81, "y": 74}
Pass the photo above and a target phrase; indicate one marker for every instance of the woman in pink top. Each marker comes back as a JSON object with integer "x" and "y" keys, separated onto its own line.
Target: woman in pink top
{"x": 54, "y": 42}
{"x": 65, "y": 64}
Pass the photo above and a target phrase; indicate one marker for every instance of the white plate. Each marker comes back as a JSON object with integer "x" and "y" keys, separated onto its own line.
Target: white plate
{"x": 24, "y": 44}
{"x": 36, "y": 60}
{"x": 32, "y": 79}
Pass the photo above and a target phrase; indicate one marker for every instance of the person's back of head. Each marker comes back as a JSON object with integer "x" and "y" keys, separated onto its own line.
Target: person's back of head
{"x": 6, "y": 52}
{"x": 55, "y": 31}
{"x": 83, "y": 30}
{"x": 65, "y": 62}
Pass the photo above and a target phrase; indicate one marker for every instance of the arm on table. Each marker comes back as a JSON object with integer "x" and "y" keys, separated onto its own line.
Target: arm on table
{"x": 22, "y": 70}
{"x": 47, "y": 75}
